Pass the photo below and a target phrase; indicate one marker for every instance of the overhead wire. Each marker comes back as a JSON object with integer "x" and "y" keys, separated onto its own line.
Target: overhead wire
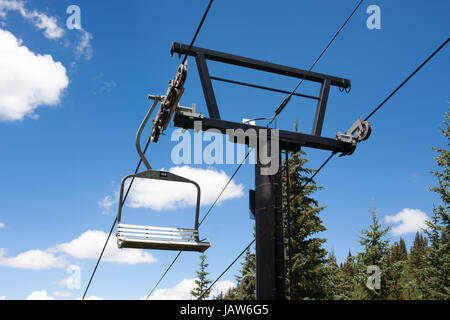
{"x": 253, "y": 241}
{"x": 226, "y": 269}
{"x": 113, "y": 225}
{"x": 271, "y": 120}
{"x": 281, "y": 108}
{"x": 226, "y": 186}
{"x": 140, "y": 163}
{"x": 278, "y": 111}
{"x": 201, "y": 221}
{"x": 286, "y": 101}
{"x": 164, "y": 274}
{"x": 198, "y": 30}
{"x": 334, "y": 153}
{"x": 407, "y": 79}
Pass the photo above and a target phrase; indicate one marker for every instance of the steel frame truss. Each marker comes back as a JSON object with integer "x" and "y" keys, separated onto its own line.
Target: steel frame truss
{"x": 288, "y": 140}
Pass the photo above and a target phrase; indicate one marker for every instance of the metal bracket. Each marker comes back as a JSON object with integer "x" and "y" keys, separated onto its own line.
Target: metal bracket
{"x": 188, "y": 112}
{"x": 359, "y": 131}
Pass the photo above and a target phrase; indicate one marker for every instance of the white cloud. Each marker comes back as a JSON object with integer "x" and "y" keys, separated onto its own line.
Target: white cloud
{"x": 27, "y": 80}
{"x": 87, "y": 246}
{"x": 33, "y": 260}
{"x": 49, "y": 25}
{"x": 106, "y": 204}
{"x": 162, "y": 195}
{"x": 91, "y": 298}
{"x": 46, "y": 23}
{"x": 73, "y": 281}
{"x": 66, "y": 281}
{"x": 182, "y": 290}
{"x": 40, "y": 20}
{"x": 408, "y": 221}
{"x": 2, "y": 298}
{"x": 84, "y": 48}
{"x": 60, "y": 294}
{"x": 40, "y": 295}
{"x": 221, "y": 287}
{"x": 2, "y": 224}
{"x": 108, "y": 86}
{"x": 90, "y": 243}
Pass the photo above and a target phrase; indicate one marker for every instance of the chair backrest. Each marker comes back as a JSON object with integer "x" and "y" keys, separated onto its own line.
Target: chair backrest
{"x": 159, "y": 175}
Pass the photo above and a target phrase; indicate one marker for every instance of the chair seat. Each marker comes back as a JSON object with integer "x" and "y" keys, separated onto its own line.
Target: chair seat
{"x": 158, "y": 238}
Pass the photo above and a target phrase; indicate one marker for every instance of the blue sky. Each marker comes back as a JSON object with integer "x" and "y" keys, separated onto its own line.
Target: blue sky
{"x": 68, "y": 139}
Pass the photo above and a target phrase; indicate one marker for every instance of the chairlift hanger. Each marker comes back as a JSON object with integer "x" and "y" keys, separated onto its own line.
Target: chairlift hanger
{"x": 160, "y": 238}
{"x": 169, "y": 103}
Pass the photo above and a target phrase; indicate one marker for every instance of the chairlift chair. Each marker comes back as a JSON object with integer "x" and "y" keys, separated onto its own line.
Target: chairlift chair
{"x": 160, "y": 238}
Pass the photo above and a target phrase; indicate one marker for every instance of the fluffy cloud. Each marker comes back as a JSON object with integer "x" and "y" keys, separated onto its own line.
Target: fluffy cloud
{"x": 106, "y": 204}
{"x": 40, "y": 295}
{"x": 90, "y": 243}
{"x": 161, "y": 195}
{"x": 222, "y": 287}
{"x": 87, "y": 246}
{"x": 72, "y": 282}
{"x": 2, "y": 225}
{"x": 408, "y": 221}
{"x": 66, "y": 281}
{"x": 84, "y": 48}
{"x": 40, "y": 20}
{"x": 60, "y": 294}
{"x": 49, "y": 26}
{"x": 27, "y": 80}
{"x": 33, "y": 260}
{"x": 182, "y": 290}
{"x": 2, "y": 298}
{"x": 91, "y": 298}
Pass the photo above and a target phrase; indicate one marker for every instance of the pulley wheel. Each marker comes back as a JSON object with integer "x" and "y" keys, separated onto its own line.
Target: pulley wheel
{"x": 366, "y": 131}
{"x": 181, "y": 76}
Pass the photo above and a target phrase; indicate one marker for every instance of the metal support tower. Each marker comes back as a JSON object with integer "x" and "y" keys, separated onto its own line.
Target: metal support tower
{"x": 269, "y": 234}
{"x": 270, "y": 271}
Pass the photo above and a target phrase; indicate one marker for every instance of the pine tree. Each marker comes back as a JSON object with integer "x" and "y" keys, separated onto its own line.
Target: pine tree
{"x": 417, "y": 253}
{"x": 349, "y": 269}
{"x": 309, "y": 258}
{"x": 248, "y": 271}
{"x": 397, "y": 270}
{"x": 220, "y": 296}
{"x": 398, "y": 251}
{"x": 376, "y": 253}
{"x": 336, "y": 285}
{"x": 200, "y": 291}
{"x": 434, "y": 277}
{"x": 415, "y": 263}
{"x": 231, "y": 294}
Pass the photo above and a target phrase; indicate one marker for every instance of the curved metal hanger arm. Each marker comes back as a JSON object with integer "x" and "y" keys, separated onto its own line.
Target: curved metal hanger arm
{"x": 156, "y": 99}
